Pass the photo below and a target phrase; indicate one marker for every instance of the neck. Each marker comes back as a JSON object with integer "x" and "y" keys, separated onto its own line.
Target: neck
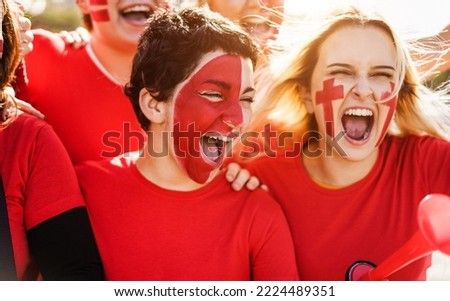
{"x": 164, "y": 171}
{"x": 337, "y": 171}
{"x": 115, "y": 61}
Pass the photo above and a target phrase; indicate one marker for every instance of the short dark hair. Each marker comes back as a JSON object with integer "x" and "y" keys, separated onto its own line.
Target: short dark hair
{"x": 171, "y": 47}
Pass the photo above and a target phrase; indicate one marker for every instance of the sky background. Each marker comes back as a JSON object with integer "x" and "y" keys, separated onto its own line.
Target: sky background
{"x": 416, "y": 17}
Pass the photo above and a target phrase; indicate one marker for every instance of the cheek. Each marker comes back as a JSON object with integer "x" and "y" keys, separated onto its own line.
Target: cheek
{"x": 247, "y": 116}
{"x": 99, "y": 14}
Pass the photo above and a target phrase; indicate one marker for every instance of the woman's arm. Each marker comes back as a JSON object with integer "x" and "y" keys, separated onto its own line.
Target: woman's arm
{"x": 64, "y": 247}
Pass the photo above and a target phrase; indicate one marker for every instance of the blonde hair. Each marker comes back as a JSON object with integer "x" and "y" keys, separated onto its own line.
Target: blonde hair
{"x": 419, "y": 111}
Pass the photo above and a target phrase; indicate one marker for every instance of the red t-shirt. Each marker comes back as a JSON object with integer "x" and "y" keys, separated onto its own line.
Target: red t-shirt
{"x": 369, "y": 220}
{"x": 87, "y": 109}
{"x": 145, "y": 232}
{"x": 38, "y": 178}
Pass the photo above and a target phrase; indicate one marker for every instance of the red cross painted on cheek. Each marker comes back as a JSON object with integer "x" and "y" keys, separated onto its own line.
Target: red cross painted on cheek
{"x": 329, "y": 93}
{"x": 99, "y": 2}
{"x": 390, "y": 105}
{"x": 99, "y": 15}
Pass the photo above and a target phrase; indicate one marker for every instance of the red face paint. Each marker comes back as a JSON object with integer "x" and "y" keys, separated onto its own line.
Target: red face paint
{"x": 329, "y": 93}
{"x": 388, "y": 107}
{"x": 101, "y": 15}
{"x": 99, "y": 2}
{"x": 208, "y": 103}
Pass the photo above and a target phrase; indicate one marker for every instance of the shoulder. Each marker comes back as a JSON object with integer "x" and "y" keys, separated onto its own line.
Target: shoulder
{"x": 104, "y": 169}
{"x": 420, "y": 145}
{"x": 260, "y": 203}
{"x": 48, "y": 49}
{"x": 273, "y": 166}
{"x": 44, "y": 38}
{"x": 29, "y": 127}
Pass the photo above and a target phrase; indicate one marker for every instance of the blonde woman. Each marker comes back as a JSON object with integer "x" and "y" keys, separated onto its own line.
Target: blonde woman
{"x": 371, "y": 142}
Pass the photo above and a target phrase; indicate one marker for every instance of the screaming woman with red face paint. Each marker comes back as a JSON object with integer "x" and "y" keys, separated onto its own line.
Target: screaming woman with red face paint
{"x": 368, "y": 143}
{"x": 162, "y": 213}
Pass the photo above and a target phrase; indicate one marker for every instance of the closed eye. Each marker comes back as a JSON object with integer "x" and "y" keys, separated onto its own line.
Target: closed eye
{"x": 341, "y": 72}
{"x": 382, "y": 74}
{"x": 212, "y": 96}
{"x": 246, "y": 102}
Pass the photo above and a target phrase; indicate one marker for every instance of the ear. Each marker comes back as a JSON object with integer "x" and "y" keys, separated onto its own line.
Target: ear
{"x": 155, "y": 111}
{"x": 84, "y": 6}
{"x": 307, "y": 100}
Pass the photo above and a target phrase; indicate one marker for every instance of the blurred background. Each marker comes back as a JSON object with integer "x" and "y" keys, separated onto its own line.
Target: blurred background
{"x": 421, "y": 17}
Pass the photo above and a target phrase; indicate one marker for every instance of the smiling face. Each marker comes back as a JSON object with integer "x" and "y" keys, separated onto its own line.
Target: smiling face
{"x": 120, "y": 21}
{"x": 351, "y": 88}
{"x": 209, "y": 110}
{"x": 253, "y": 15}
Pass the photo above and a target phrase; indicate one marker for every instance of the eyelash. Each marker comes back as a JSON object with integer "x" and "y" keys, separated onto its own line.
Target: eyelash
{"x": 388, "y": 75}
{"x": 217, "y": 96}
{"x": 212, "y": 96}
{"x": 248, "y": 99}
{"x": 349, "y": 73}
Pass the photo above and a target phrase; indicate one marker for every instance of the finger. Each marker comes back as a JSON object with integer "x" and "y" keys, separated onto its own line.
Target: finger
{"x": 66, "y": 37}
{"x": 84, "y": 34}
{"x": 26, "y": 107}
{"x": 20, "y": 5}
{"x": 26, "y": 42}
{"x": 24, "y": 23}
{"x": 26, "y": 48}
{"x": 232, "y": 170}
{"x": 252, "y": 183}
{"x": 76, "y": 37}
{"x": 241, "y": 179}
{"x": 264, "y": 187}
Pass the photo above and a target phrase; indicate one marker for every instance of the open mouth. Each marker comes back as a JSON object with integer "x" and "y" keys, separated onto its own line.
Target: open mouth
{"x": 215, "y": 146}
{"x": 137, "y": 14}
{"x": 358, "y": 124}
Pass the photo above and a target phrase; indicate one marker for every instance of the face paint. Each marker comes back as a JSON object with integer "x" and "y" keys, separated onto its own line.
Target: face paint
{"x": 207, "y": 109}
{"x": 325, "y": 97}
{"x": 99, "y": 15}
{"x": 387, "y": 108}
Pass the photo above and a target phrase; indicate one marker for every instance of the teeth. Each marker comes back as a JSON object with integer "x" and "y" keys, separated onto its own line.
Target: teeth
{"x": 221, "y": 138}
{"x": 359, "y": 112}
{"x": 137, "y": 8}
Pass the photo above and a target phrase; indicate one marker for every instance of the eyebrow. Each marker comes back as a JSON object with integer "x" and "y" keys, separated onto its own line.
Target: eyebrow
{"x": 350, "y": 66}
{"x": 249, "y": 89}
{"x": 219, "y": 83}
{"x": 226, "y": 86}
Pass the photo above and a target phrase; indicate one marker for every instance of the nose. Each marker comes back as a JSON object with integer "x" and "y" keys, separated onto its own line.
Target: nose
{"x": 362, "y": 89}
{"x": 233, "y": 116}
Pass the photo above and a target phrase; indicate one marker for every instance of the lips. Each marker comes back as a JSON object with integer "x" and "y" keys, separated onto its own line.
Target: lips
{"x": 137, "y": 14}
{"x": 215, "y": 146}
{"x": 358, "y": 123}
